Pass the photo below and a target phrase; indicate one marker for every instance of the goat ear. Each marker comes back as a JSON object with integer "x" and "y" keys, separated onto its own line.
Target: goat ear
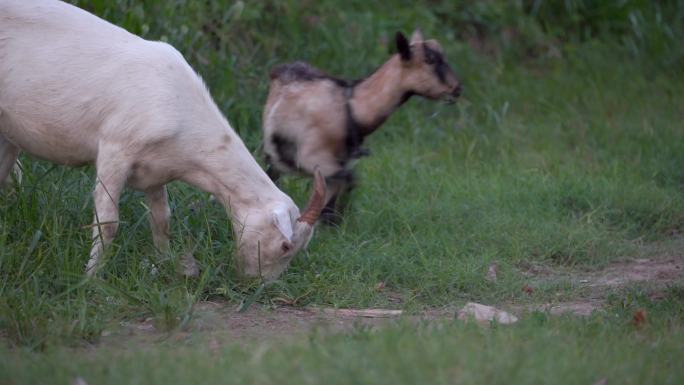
{"x": 417, "y": 36}
{"x": 282, "y": 221}
{"x": 403, "y": 47}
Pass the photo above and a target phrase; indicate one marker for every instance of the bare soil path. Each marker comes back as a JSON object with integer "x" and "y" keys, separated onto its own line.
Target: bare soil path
{"x": 216, "y": 323}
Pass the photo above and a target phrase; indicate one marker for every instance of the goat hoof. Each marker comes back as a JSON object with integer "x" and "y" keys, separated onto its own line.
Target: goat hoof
{"x": 361, "y": 152}
{"x": 188, "y": 266}
{"x": 330, "y": 218}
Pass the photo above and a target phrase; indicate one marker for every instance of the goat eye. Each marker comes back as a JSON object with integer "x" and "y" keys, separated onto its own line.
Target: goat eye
{"x": 431, "y": 58}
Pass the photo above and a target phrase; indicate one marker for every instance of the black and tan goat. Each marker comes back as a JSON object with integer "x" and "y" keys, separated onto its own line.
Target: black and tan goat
{"x": 313, "y": 119}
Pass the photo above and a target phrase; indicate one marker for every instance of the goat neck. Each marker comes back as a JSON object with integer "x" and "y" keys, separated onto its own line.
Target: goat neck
{"x": 229, "y": 171}
{"x": 375, "y": 98}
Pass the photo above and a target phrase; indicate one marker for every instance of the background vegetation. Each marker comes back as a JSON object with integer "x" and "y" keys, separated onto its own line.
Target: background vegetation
{"x": 567, "y": 149}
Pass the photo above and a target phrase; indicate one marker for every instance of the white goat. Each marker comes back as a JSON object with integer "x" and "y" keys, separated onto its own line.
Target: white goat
{"x": 75, "y": 90}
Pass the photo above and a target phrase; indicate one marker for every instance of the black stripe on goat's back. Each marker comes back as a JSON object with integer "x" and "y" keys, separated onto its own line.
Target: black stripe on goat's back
{"x": 300, "y": 71}
{"x": 286, "y": 149}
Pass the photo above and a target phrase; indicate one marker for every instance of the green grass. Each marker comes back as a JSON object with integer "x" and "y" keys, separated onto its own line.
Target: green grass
{"x": 567, "y": 150}
{"x": 539, "y": 350}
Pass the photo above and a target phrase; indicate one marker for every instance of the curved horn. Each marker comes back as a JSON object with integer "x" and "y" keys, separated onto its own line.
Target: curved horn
{"x": 316, "y": 201}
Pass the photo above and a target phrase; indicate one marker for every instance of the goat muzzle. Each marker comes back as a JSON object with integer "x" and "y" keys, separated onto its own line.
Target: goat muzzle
{"x": 316, "y": 201}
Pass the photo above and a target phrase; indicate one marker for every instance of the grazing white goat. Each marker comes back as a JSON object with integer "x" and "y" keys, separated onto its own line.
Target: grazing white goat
{"x": 312, "y": 119}
{"x": 75, "y": 90}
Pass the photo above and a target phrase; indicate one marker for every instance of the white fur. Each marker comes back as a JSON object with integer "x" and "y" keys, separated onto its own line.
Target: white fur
{"x": 75, "y": 89}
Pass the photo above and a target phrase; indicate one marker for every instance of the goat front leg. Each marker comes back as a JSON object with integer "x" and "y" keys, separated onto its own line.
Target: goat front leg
{"x": 160, "y": 215}
{"x": 8, "y": 158}
{"x": 111, "y": 178}
{"x": 339, "y": 185}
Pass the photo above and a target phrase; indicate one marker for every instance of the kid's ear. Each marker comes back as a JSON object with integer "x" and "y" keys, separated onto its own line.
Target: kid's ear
{"x": 403, "y": 47}
{"x": 417, "y": 36}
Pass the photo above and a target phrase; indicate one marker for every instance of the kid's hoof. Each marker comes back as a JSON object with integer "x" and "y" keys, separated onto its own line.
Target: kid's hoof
{"x": 331, "y": 218}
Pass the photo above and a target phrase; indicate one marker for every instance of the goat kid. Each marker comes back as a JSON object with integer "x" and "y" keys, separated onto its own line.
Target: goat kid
{"x": 312, "y": 119}
{"x": 75, "y": 90}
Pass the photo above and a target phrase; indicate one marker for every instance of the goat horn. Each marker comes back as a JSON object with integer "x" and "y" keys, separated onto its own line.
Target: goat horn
{"x": 316, "y": 201}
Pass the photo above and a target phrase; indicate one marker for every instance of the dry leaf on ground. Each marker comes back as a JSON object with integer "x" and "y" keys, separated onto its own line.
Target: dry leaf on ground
{"x": 527, "y": 289}
{"x": 639, "y": 318}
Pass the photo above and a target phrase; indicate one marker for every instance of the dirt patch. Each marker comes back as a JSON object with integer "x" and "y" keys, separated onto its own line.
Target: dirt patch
{"x": 222, "y": 322}
{"x": 580, "y": 308}
{"x": 655, "y": 273}
{"x": 216, "y": 323}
